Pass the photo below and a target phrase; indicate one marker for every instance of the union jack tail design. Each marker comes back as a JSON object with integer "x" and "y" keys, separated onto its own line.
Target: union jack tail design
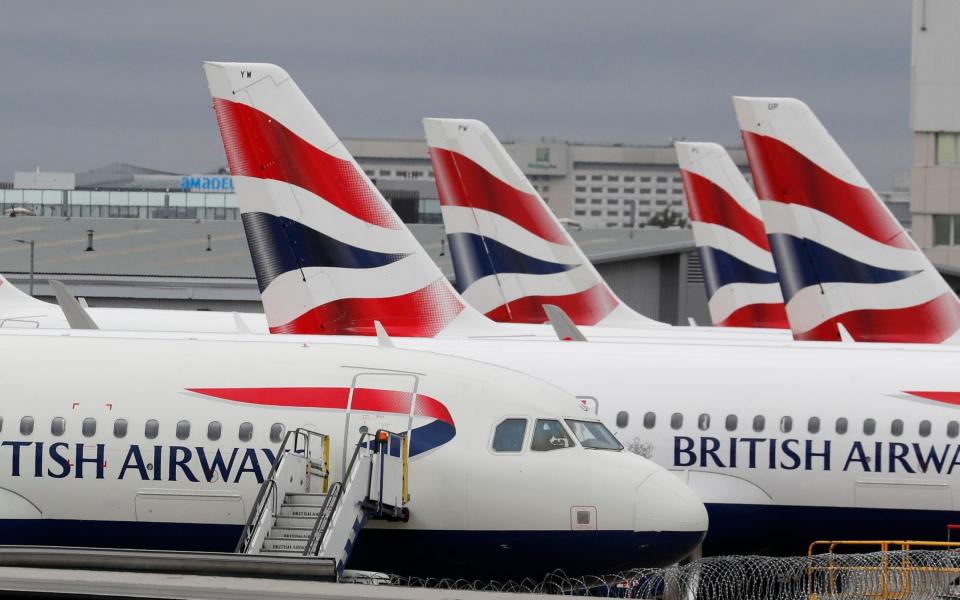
{"x": 738, "y": 269}
{"x": 841, "y": 255}
{"x": 330, "y": 254}
{"x": 510, "y": 253}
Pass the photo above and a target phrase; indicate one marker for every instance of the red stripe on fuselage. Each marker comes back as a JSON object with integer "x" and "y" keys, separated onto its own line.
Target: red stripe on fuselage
{"x": 422, "y": 313}
{"x": 928, "y": 323}
{"x": 767, "y": 316}
{"x": 782, "y": 174}
{"x": 945, "y": 397}
{"x": 584, "y": 308}
{"x": 710, "y": 203}
{"x": 257, "y": 145}
{"x": 334, "y": 398}
{"x": 462, "y": 182}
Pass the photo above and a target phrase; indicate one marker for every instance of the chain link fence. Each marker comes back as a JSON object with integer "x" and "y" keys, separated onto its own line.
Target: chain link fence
{"x": 894, "y": 575}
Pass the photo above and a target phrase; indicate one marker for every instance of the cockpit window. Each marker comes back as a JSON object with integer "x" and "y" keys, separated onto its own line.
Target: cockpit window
{"x": 593, "y": 434}
{"x": 549, "y": 434}
{"x": 508, "y": 436}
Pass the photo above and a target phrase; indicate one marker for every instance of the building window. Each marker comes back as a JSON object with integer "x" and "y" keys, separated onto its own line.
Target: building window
{"x": 579, "y": 200}
{"x": 595, "y": 200}
{"x": 613, "y": 190}
{"x": 596, "y": 190}
{"x": 661, "y": 191}
{"x": 613, "y": 178}
{"x": 676, "y": 191}
{"x": 385, "y": 173}
{"x": 644, "y": 180}
{"x": 612, "y": 213}
{"x": 629, "y": 178}
{"x": 580, "y": 177}
{"x": 579, "y": 213}
{"x": 946, "y": 230}
{"x": 661, "y": 179}
{"x": 580, "y": 189}
{"x": 596, "y": 178}
{"x": 644, "y": 190}
{"x": 629, "y": 190}
{"x": 595, "y": 213}
{"x": 946, "y": 148}
{"x": 676, "y": 180}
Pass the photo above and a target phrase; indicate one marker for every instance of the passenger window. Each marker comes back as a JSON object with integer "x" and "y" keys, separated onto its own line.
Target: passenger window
{"x": 120, "y": 428}
{"x": 786, "y": 424}
{"x": 508, "y": 436}
{"x": 58, "y": 426}
{"x": 841, "y": 425}
{"x": 26, "y": 426}
{"x": 896, "y": 427}
{"x": 151, "y": 429}
{"x": 731, "y": 422}
{"x": 246, "y": 432}
{"x": 703, "y": 422}
{"x": 813, "y": 425}
{"x": 953, "y": 429}
{"x": 623, "y": 417}
{"x": 276, "y": 432}
{"x": 549, "y": 434}
{"x": 676, "y": 421}
{"x": 759, "y": 423}
{"x": 650, "y": 420}
{"x": 89, "y": 427}
{"x": 213, "y": 430}
{"x": 869, "y": 426}
{"x": 925, "y": 428}
{"x": 183, "y": 430}
{"x": 1, "y": 423}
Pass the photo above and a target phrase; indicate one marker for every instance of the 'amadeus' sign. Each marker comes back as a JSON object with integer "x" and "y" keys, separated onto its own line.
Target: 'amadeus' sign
{"x": 207, "y": 183}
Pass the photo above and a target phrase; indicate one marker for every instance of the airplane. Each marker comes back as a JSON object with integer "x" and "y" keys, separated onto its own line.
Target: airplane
{"x": 842, "y": 257}
{"x": 738, "y": 270}
{"x": 169, "y": 452}
{"x": 19, "y": 310}
{"x": 670, "y": 397}
{"x": 512, "y": 255}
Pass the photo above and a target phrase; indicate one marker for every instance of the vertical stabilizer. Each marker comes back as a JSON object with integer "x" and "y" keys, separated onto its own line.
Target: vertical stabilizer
{"x": 510, "y": 253}
{"x": 840, "y": 254}
{"x": 330, "y": 254}
{"x": 739, "y": 274}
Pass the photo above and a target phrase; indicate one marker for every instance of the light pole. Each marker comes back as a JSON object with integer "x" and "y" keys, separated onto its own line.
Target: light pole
{"x": 31, "y": 242}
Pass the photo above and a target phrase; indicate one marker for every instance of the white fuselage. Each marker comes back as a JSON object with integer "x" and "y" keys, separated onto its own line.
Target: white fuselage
{"x": 90, "y": 483}
{"x": 822, "y": 481}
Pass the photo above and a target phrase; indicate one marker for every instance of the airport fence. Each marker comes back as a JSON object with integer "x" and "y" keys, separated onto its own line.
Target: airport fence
{"x": 894, "y": 575}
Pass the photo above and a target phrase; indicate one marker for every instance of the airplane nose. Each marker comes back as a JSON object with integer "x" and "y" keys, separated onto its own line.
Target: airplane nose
{"x": 664, "y": 503}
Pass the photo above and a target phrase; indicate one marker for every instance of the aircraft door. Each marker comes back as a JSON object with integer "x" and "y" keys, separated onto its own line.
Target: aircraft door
{"x": 378, "y": 401}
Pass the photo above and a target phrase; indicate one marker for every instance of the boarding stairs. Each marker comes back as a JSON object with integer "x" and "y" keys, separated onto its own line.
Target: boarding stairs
{"x": 300, "y": 513}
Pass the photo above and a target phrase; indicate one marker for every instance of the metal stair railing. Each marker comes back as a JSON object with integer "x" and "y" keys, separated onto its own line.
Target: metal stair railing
{"x": 332, "y": 501}
{"x": 268, "y": 496}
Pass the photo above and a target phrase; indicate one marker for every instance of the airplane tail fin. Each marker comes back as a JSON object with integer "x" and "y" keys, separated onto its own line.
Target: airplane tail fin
{"x": 11, "y": 295}
{"x": 510, "y": 253}
{"x": 842, "y": 257}
{"x": 738, "y": 269}
{"x": 330, "y": 254}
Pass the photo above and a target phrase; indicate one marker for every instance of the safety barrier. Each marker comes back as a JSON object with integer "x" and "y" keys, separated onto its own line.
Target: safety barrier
{"x": 877, "y": 575}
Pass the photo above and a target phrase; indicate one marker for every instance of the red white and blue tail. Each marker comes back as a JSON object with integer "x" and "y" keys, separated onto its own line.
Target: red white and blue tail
{"x": 739, "y": 274}
{"x": 842, "y": 257}
{"x": 330, "y": 254}
{"x": 510, "y": 253}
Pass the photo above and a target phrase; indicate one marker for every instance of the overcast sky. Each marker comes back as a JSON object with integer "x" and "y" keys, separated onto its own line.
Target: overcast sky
{"x": 88, "y": 83}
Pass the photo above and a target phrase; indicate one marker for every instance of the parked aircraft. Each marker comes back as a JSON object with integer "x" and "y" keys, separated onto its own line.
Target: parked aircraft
{"x": 169, "y": 452}
{"x": 19, "y": 310}
{"x": 733, "y": 429}
{"x": 842, "y": 257}
{"x": 738, "y": 270}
